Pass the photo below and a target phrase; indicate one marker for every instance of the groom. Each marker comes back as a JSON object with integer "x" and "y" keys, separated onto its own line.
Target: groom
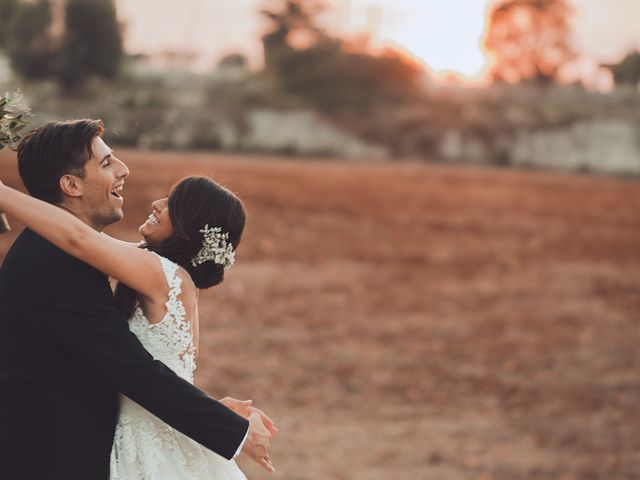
{"x": 65, "y": 349}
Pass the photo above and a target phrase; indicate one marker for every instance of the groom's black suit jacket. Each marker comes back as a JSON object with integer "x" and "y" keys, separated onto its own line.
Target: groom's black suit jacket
{"x": 65, "y": 353}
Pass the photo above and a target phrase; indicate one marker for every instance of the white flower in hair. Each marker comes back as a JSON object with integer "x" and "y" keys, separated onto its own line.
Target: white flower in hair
{"x": 214, "y": 247}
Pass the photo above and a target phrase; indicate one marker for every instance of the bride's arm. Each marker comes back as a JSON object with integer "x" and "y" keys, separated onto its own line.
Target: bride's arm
{"x": 135, "y": 267}
{"x": 131, "y": 244}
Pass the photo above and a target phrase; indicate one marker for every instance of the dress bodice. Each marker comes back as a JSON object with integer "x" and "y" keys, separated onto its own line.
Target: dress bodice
{"x": 171, "y": 339}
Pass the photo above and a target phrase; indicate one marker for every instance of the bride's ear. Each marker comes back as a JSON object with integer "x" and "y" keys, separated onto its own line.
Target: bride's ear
{"x": 71, "y": 185}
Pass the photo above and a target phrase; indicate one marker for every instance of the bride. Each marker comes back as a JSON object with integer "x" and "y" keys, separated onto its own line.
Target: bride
{"x": 190, "y": 239}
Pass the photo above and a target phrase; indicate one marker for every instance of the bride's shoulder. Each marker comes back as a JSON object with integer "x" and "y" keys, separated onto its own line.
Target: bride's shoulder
{"x": 180, "y": 284}
{"x": 174, "y": 271}
{"x": 187, "y": 281}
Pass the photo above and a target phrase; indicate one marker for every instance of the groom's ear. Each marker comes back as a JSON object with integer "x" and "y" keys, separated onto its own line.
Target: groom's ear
{"x": 71, "y": 185}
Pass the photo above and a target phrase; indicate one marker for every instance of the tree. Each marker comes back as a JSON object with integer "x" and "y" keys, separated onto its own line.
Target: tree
{"x": 28, "y": 41}
{"x": 627, "y": 71}
{"x": 328, "y": 72}
{"x": 91, "y": 43}
{"x": 296, "y": 18}
{"x": 7, "y": 7}
{"x": 530, "y": 39}
{"x": 234, "y": 60}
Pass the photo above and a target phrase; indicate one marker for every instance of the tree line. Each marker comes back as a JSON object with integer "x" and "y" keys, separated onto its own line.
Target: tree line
{"x": 73, "y": 40}
{"x": 86, "y": 42}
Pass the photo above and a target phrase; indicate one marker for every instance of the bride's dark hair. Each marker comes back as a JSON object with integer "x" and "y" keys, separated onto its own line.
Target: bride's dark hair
{"x": 193, "y": 203}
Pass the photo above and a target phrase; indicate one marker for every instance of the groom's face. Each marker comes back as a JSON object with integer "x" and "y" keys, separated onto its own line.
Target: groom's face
{"x": 102, "y": 185}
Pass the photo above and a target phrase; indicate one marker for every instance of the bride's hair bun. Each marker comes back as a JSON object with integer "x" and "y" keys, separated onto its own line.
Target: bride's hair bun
{"x": 194, "y": 203}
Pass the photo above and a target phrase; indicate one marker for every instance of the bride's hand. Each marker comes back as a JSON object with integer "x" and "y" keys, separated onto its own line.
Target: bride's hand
{"x": 244, "y": 408}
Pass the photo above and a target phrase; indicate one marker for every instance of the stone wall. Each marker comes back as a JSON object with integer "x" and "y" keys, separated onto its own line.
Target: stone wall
{"x": 607, "y": 146}
{"x": 303, "y": 131}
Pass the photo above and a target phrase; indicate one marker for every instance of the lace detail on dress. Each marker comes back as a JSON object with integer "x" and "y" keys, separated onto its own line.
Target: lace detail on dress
{"x": 144, "y": 446}
{"x": 183, "y": 336}
{"x": 171, "y": 339}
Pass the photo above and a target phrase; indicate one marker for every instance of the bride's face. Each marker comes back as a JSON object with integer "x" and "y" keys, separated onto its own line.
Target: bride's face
{"x": 158, "y": 227}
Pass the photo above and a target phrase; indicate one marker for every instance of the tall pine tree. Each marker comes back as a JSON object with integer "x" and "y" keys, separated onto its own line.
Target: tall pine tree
{"x": 28, "y": 41}
{"x": 91, "y": 44}
{"x": 7, "y": 8}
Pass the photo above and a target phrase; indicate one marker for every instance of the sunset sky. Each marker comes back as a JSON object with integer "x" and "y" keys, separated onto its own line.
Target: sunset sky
{"x": 445, "y": 34}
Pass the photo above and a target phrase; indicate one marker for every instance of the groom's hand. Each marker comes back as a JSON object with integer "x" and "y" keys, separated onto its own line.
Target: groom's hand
{"x": 244, "y": 408}
{"x": 258, "y": 443}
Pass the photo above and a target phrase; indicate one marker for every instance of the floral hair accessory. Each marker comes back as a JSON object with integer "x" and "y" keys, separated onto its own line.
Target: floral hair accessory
{"x": 214, "y": 247}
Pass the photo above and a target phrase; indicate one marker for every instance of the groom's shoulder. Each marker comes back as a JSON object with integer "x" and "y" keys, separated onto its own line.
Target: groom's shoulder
{"x": 32, "y": 251}
{"x": 31, "y": 245}
{"x": 34, "y": 262}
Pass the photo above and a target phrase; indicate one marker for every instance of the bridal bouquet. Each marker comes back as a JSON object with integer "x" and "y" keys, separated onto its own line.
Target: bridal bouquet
{"x": 12, "y": 113}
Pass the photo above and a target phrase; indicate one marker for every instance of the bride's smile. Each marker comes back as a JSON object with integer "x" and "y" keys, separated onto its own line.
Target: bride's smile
{"x": 157, "y": 228}
{"x": 152, "y": 219}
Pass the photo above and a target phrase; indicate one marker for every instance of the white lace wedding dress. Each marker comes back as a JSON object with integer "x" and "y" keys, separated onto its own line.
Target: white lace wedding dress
{"x": 146, "y": 448}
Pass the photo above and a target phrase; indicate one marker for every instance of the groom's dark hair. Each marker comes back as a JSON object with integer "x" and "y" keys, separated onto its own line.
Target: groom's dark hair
{"x": 58, "y": 148}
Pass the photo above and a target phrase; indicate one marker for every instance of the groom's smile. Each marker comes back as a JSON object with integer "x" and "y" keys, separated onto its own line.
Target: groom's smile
{"x": 103, "y": 185}
{"x": 116, "y": 190}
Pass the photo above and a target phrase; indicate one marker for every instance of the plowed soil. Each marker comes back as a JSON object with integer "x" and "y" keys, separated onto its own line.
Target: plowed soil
{"x": 405, "y": 321}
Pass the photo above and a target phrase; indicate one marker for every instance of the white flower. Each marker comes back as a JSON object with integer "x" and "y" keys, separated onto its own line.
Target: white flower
{"x": 214, "y": 247}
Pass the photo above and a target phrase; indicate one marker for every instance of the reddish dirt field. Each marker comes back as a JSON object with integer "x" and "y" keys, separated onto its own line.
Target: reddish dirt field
{"x": 404, "y": 321}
